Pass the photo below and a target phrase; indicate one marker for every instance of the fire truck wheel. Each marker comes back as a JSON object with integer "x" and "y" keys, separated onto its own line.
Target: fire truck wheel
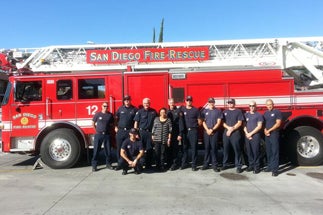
{"x": 305, "y": 146}
{"x": 60, "y": 149}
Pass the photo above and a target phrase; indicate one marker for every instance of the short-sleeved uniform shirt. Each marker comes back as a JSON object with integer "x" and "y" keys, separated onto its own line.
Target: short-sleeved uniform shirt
{"x": 145, "y": 118}
{"x": 103, "y": 121}
{"x": 231, "y": 117}
{"x": 190, "y": 117}
{"x": 125, "y": 116}
{"x": 252, "y": 120}
{"x": 132, "y": 149}
{"x": 211, "y": 116}
{"x": 271, "y": 117}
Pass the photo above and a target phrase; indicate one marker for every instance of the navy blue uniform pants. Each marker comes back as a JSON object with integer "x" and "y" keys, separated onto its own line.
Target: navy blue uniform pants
{"x": 125, "y": 166}
{"x": 234, "y": 141}
{"x": 190, "y": 140}
{"x": 121, "y": 136}
{"x": 100, "y": 139}
{"x": 146, "y": 140}
{"x": 253, "y": 151}
{"x": 173, "y": 151}
{"x": 210, "y": 149}
{"x": 272, "y": 151}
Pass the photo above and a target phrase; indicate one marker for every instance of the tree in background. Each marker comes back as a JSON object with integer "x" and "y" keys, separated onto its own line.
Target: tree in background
{"x": 154, "y": 35}
{"x": 161, "y": 33}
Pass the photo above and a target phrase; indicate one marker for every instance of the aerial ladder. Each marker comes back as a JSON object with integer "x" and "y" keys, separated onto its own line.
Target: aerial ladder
{"x": 301, "y": 58}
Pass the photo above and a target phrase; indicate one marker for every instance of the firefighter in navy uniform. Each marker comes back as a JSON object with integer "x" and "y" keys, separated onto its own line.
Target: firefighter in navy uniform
{"x": 102, "y": 123}
{"x": 232, "y": 122}
{"x": 176, "y": 116}
{"x": 273, "y": 120}
{"x": 131, "y": 153}
{"x": 252, "y": 129}
{"x": 124, "y": 120}
{"x": 191, "y": 117}
{"x": 144, "y": 120}
{"x": 212, "y": 118}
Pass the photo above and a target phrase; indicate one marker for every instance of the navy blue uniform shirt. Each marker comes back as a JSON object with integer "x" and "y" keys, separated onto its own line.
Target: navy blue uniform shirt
{"x": 145, "y": 118}
{"x": 231, "y": 117}
{"x": 271, "y": 117}
{"x": 103, "y": 121}
{"x": 190, "y": 117}
{"x": 125, "y": 116}
{"x": 175, "y": 116}
{"x": 252, "y": 120}
{"x": 211, "y": 117}
{"x": 132, "y": 149}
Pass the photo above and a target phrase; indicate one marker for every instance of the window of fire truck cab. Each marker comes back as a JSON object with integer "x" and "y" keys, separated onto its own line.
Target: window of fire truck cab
{"x": 64, "y": 89}
{"x": 91, "y": 88}
{"x": 27, "y": 91}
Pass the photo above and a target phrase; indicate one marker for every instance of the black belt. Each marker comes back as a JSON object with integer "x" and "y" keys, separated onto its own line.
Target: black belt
{"x": 124, "y": 128}
{"x": 142, "y": 129}
{"x": 189, "y": 129}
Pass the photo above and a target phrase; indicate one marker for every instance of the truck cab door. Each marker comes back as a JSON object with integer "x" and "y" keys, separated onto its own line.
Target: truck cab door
{"x": 27, "y": 111}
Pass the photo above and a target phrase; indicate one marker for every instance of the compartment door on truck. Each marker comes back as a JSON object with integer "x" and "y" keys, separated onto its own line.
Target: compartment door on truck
{"x": 152, "y": 85}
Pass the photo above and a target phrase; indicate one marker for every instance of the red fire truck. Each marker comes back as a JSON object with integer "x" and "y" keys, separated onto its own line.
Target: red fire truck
{"x": 48, "y": 111}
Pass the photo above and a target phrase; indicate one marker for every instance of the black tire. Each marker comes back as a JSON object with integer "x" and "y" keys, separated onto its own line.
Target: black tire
{"x": 305, "y": 146}
{"x": 60, "y": 149}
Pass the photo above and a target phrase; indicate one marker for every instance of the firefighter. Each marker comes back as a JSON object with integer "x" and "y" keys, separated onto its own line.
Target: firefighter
{"x": 144, "y": 120}
{"x": 131, "y": 153}
{"x": 273, "y": 119}
{"x": 191, "y": 117}
{"x": 102, "y": 123}
{"x": 176, "y": 116}
{"x": 124, "y": 122}
{"x": 212, "y": 118}
{"x": 252, "y": 128}
{"x": 232, "y": 121}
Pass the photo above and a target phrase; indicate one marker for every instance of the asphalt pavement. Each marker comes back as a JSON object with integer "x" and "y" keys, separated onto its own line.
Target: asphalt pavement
{"x": 297, "y": 190}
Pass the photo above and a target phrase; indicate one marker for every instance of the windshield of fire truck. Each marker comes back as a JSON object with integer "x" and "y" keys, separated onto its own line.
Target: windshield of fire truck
{"x": 3, "y": 87}
{"x": 28, "y": 91}
{"x": 5, "y": 97}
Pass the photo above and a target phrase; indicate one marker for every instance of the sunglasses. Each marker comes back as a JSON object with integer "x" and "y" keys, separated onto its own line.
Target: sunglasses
{"x": 252, "y": 105}
{"x": 104, "y": 105}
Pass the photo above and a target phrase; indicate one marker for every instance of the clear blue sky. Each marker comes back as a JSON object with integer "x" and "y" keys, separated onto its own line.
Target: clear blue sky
{"x": 38, "y": 23}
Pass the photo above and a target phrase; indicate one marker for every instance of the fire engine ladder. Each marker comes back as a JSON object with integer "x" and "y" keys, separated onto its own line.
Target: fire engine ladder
{"x": 283, "y": 53}
{"x": 305, "y": 55}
